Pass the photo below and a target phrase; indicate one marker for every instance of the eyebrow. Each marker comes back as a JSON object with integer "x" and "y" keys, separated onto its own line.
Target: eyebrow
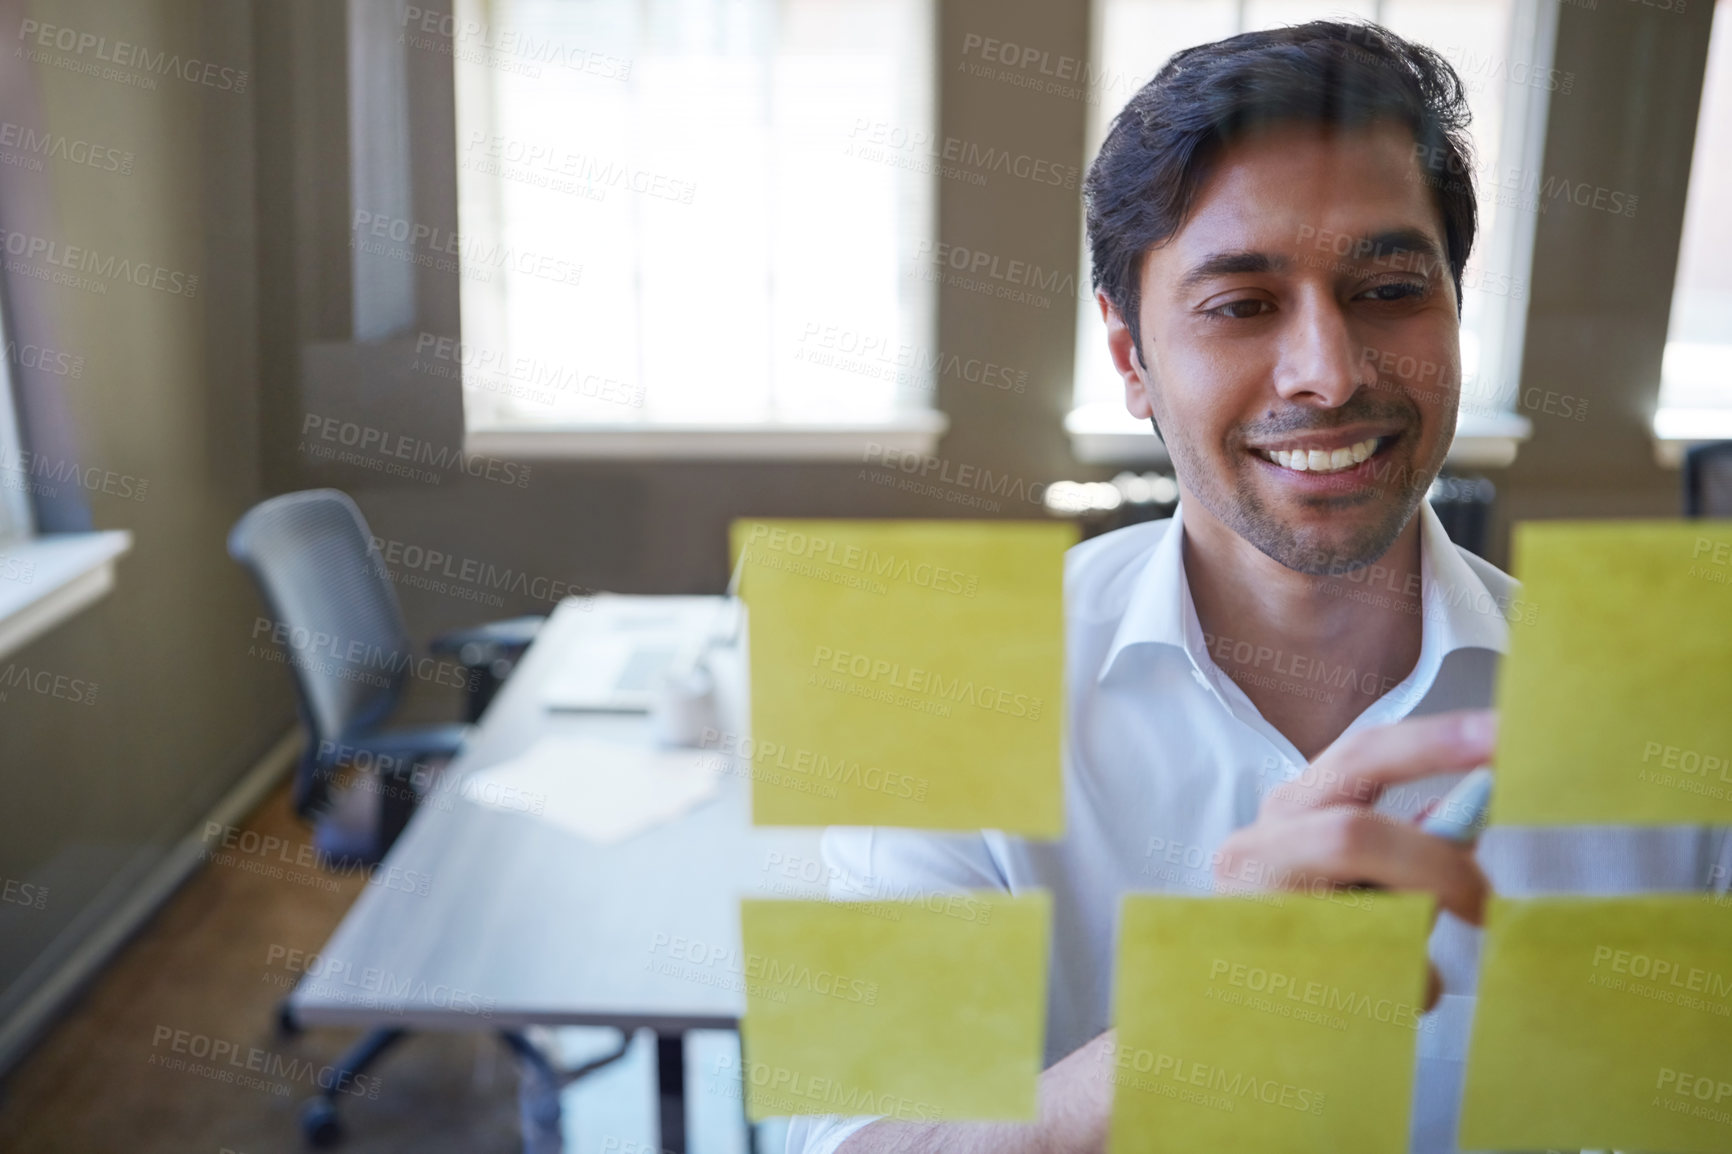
{"x": 1377, "y": 248}
{"x": 1230, "y": 264}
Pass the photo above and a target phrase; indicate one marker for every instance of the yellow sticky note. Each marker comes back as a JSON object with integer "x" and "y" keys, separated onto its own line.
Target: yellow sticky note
{"x": 1603, "y": 1023}
{"x": 905, "y": 673}
{"x": 1613, "y": 698}
{"x": 1277, "y": 1023}
{"x": 927, "y": 1010}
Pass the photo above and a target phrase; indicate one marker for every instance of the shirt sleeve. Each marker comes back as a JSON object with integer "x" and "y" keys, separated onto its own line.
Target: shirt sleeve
{"x": 822, "y": 1133}
{"x": 871, "y": 864}
{"x": 1720, "y": 866}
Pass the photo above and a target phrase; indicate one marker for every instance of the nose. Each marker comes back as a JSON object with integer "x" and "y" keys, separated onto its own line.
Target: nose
{"x": 1319, "y": 360}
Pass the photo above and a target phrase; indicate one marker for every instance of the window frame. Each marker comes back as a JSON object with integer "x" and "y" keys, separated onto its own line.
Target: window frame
{"x": 914, "y": 427}
{"x": 45, "y": 579}
{"x": 17, "y": 519}
{"x": 1676, "y": 428}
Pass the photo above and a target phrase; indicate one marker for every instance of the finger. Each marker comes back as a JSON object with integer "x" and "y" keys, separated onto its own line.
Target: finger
{"x": 1359, "y": 767}
{"x": 1353, "y": 846}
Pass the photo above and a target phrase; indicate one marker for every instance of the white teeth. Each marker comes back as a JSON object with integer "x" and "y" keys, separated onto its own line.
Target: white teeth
{"x": 1322, "y": 460}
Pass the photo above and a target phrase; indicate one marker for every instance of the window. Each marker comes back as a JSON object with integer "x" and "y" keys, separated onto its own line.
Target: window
{"x": 16, "y": 523}
{"x": 44, "y": 579}
{"x": 1502, "y": 51}
{"x": 1696, "y": 375}
{"x": 695, "y": 213}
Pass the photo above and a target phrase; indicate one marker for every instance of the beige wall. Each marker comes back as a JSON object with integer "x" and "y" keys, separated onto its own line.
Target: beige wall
{"x": 1602, "y": 284}
{"x": 93, "y": 794}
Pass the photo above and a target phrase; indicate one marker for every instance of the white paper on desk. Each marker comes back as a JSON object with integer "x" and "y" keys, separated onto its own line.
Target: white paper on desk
{"x": 600, "y": 790}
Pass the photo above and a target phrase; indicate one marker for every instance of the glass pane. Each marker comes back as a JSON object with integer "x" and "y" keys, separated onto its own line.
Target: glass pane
{"x": 1134, "y": 38}
{"x": 697, "y": 172}
{"x": 1260, "y": 14}
{"x": 1474, "y": 36}
{"x": 1697, "y": 372}
{"x": 852, "y": 133}
{"x": 15, "y": 478}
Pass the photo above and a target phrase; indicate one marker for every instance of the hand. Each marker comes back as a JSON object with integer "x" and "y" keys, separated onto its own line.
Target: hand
{"x": 1320, "y": 827}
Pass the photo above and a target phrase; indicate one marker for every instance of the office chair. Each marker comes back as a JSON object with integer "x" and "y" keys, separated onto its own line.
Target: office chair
{"x": 335, "y": 618}
{"x": 1708, "y": 480}
{"x": 1463, "y": 506}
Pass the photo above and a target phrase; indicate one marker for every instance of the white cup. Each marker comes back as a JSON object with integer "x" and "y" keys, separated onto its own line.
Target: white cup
{"x": 684, "y": 708}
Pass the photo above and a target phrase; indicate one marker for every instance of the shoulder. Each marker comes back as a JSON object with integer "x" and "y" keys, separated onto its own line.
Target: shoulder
{"x": 881, "y": 862}
{"x": 1502, "y": 587}
{"x": 1100, "y": 573}
{"x": 1479, "y": 600}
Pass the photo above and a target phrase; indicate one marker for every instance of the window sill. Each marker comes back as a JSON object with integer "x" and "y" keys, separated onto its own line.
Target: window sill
{"x": 46, "y": 580}
{"x": 1676, "y": 430}
{"x": 916, "y": 432}
{"x": 1488, "y": 440}
{"x": 1104, "y": 434}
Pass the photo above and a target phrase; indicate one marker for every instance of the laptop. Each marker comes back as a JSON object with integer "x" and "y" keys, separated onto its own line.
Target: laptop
{"x": 628, "y": 644}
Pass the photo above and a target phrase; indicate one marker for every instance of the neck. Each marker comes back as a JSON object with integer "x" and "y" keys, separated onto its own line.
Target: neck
{"x": 1311, "y": 652}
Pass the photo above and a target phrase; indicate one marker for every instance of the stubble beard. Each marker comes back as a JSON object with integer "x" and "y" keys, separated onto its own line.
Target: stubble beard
{"x": 1314, "y": 552}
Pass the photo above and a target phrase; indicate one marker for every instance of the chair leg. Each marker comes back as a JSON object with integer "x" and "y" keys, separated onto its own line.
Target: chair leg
{"x": 539, "y": 1084}
{"x": 482, "y": 690}
{"x": 538, "y": 1110}
{"x": 319, "y": 1115}
{"x": 288, "y": 1025}
{"x": 397, "y": 802}
{"x": 358, "y": 825}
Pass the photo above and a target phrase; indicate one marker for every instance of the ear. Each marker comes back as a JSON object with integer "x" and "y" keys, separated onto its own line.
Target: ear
{"x": 1128, "y": 360}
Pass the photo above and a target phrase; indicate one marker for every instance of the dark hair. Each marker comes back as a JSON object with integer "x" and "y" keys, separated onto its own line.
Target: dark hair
{"x": 1161, "y": 145}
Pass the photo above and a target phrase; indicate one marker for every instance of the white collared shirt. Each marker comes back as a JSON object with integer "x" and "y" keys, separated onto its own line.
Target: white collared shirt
{"x": 1165, "y": 757}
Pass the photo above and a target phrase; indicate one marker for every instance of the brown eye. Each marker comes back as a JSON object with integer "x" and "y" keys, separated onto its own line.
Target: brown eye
{"x": 1241, "y": 310}
{"x": 1396, "y": 291}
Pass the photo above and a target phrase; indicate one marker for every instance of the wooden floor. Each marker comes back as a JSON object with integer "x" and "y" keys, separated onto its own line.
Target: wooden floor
{"x": 210, "y": 964}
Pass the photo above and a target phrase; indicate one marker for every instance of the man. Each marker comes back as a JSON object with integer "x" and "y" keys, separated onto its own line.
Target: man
{"x": 1270, "y": 688}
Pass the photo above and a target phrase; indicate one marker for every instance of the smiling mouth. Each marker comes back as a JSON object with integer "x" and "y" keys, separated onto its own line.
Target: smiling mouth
{"x": 1325, "y": 460}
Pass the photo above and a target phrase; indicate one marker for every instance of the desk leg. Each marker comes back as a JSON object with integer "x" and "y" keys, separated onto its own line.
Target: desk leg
{"x": 671, "y": 1077}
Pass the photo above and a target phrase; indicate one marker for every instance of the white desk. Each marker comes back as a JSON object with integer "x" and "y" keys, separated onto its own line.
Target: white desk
{"x": 538, "y": 926}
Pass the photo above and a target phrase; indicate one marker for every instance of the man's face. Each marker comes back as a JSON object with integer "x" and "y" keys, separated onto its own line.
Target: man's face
{"x": 1300, "y": 347}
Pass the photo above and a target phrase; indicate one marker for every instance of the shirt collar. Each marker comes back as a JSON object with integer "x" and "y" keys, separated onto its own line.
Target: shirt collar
{"x": 1159, "y": 602}
{"x": 1457, "y": 602}
{"x": 1458, "y": 611}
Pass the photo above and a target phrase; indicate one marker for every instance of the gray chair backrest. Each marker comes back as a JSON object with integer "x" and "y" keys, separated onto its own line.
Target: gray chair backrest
{"x": 1464, "y": 506}
{"x": 1708, "y": 480}
{"x": 331, "y": 607}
